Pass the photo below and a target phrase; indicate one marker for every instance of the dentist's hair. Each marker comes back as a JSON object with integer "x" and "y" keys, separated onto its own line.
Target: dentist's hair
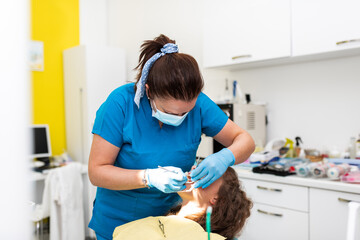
{"x": 174, "y": 75}
{"x": 231, "y": 209}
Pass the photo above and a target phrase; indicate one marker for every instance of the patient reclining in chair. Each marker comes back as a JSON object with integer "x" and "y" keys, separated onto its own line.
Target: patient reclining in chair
{"x": 229, "y": 202}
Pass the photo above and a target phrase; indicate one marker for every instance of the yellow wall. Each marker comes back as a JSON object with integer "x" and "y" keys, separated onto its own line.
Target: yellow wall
{"x": 56, "y": 23}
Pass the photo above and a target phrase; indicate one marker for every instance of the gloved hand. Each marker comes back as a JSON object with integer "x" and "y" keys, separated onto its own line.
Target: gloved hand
{"x": 171, "y": 180}
{"x": 212, "y": 167}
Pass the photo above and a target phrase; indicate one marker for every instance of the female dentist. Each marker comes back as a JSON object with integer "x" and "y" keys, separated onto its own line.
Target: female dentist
{"x": 134, "y": 134}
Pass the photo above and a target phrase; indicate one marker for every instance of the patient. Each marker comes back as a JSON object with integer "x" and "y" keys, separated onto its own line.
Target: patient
{"x": 231, "y": 208}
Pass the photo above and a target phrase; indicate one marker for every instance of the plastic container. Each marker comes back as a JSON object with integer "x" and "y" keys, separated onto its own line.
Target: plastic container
{"x": 335, "y": 172}
{"x": 305, "y": 170}
{"x": 351, "y": 177}
{"x": 320, "y": 171}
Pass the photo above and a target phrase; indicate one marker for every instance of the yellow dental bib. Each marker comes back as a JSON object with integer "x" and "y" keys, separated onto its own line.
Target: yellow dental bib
{"x": 156, "y": 228}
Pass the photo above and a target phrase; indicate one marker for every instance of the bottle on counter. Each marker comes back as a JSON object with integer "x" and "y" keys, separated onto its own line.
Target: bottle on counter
{"x": 357, "y": 147}
{"x": 352, "y": 148}
{"x": 227, "y": 94}
{"x": 297, "y": 146}
{"x": 334, "y": 153}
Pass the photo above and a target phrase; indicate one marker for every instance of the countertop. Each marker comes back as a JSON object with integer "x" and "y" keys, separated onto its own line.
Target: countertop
{"x": 321, "y": 183}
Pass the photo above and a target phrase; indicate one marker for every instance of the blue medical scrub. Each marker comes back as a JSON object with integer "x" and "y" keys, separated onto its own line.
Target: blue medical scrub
{"x": 143, "y": 144}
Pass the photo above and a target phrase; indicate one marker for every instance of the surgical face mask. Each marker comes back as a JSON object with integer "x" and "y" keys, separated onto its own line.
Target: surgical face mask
{"x": 168, "y": 119}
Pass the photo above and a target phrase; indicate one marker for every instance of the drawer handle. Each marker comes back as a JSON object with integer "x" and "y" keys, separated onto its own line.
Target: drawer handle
{"x": 241, "y": 56}
{"x": 269, "y": 189}
{"x": 348, "y": 41}
{"x": 269, "y": 213}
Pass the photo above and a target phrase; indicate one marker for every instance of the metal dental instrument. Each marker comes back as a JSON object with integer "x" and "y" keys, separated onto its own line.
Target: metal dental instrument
{"x": 166, "y": 169}
{"x": 161, "y": 226}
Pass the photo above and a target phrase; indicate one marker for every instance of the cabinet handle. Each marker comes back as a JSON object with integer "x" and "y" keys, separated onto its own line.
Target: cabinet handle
{"x": 348, "y": 41}
{"x": 241, "y": 56}
{"x": 269, "y": 189}
{"x": 344, "y": 200}
{"x": 269, "y": 213}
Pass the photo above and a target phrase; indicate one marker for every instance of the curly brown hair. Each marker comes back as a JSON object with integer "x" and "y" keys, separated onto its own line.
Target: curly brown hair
{"x": 231, "y": 209}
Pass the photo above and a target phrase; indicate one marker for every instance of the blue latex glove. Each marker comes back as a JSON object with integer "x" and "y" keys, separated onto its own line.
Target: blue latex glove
{"x": 212, "y": 167}
{"x": 168, "y": 181}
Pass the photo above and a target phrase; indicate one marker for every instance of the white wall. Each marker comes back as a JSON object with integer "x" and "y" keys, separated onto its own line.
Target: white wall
{"x": 317, "y": 100}
{"x": 93, "y": 22}
{"x": 14, "y": 120}
{"x": 132, "y": 22}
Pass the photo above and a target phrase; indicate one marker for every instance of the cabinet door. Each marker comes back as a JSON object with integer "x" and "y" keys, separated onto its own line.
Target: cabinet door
{"x": 318, "y": 25}
{"x": 237, "y": 31}
{"x": 277, "y": 194}
{"x": 329, "y": 213}
{"x": 267, "y": 222}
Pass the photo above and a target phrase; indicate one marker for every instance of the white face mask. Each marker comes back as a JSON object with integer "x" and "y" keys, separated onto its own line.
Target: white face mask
{"x": 168, "y": 119}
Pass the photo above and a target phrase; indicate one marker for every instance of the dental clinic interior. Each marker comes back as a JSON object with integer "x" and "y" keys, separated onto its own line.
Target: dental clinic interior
{"x": 287, "y": 72}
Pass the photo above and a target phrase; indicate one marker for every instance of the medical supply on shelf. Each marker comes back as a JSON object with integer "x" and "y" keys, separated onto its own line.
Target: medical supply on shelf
{"x": 320, "y": 171}
{"x": 264, "y": 157}
{"x": 305, "y": 170}
{"x": 338, "y": 170}
{"x": 352, "y": 147}
{"x": 227, "y": 94}
{"x": 275, "y": 144}
{"x": 297, "y": 146}
{"x": 290, "y": 144}
{"x": 334, "y": 153}
{"x": 351, "y": 177}
{"x": 357, "y": 148}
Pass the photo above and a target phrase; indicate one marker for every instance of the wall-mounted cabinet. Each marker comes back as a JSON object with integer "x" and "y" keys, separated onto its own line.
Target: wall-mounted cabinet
{"x": 239, "y": 31}
{"x": 322, "y": 26}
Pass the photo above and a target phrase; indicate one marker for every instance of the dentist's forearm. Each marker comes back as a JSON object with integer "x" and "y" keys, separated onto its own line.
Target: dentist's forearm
{"x": 242, "y": 147}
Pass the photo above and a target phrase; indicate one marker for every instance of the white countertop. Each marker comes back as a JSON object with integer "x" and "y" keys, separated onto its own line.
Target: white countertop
{"x": 322, "y": 183}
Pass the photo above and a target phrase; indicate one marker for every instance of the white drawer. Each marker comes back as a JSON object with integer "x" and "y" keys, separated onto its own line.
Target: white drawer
{"x": 274, "y": 223}
{"x": 276, "y": 194}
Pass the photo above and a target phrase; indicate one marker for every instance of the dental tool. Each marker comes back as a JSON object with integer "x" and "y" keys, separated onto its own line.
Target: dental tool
{"x": 163, "y": 168}
{"x": 186, "y": 173}
{"x": 208, "y": 220}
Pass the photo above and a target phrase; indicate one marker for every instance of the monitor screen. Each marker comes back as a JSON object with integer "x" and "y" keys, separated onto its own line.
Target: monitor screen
{"x": 40, "y": 141}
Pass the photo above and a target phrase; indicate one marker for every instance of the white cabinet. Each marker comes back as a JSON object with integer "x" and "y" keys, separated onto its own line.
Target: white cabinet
{"x": 275, "y": 223}
{"x": 280, "y": 211}
{"x": 239, "y": 31}
{"x": 329, "y": 214}
{"x": 298, "y": 208}
{"x": 320, "y": 26}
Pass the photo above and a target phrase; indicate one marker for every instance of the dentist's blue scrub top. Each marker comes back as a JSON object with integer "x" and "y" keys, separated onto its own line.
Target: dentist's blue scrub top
{"x": 143, "y": 144}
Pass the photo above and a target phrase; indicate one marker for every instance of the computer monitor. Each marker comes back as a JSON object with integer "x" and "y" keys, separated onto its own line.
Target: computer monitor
{"x": 40, "y": 139}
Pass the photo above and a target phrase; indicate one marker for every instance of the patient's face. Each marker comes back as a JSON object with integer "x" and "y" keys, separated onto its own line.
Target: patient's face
{"x": 202, "y": 195}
